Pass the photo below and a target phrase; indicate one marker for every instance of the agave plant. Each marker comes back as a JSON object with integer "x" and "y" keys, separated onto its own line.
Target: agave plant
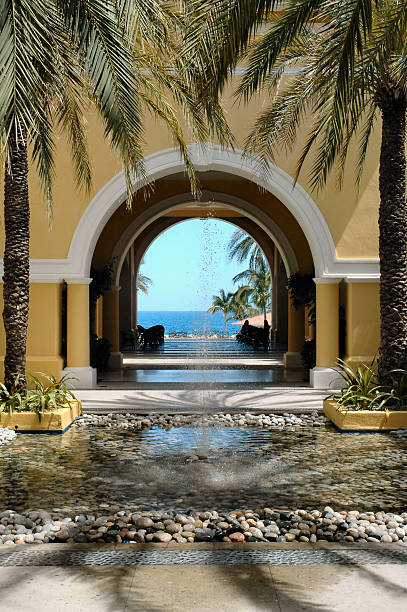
{"x": 362, "y": 390}
{"x": 47, "y": 394}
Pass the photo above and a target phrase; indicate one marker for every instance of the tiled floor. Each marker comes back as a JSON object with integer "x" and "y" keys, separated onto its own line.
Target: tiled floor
{"x": 360, "y": 586}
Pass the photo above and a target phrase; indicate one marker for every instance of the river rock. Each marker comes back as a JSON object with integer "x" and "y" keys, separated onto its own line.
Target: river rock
{"x": 143, "y": 522}
{"x": 162, "y": 536}
{"x": 237, "y": 536}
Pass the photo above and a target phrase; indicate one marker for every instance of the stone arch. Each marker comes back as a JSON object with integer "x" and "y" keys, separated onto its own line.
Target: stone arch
{"x": 210, "y": 157}
{"x": 156, "y": 211}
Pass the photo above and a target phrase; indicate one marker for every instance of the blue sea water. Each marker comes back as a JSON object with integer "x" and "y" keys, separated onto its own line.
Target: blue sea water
{"x": 186, "y": 321}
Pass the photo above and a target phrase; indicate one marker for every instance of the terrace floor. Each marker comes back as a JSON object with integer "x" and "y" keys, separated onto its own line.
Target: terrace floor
{"x": 308, "y": 578}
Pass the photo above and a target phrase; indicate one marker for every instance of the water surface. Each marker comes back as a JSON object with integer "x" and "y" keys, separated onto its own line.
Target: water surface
{"x": 250, "y": 467}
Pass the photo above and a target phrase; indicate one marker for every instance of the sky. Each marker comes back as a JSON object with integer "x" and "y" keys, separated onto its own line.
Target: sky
{"x": 188, "y": 264}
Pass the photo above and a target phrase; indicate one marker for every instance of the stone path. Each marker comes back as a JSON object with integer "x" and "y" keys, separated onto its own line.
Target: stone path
{"x": 212, "y": 554}
{"x": 191, "y": 401}
{"x": 200, "y": 376}
{"x": 370, "y": 584}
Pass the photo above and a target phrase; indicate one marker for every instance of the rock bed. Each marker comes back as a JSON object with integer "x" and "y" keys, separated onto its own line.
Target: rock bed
{"x": 111, "y": 525}
{"x": 6, "y": 435}
{"x": 138, "y": 422}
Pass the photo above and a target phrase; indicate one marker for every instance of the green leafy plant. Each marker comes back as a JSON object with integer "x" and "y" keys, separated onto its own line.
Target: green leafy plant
{"x": 302, "y": 291}
{"x": 48, "y": 394}
{"x": 362, "y": 390}
{"x": 13, "y": 399}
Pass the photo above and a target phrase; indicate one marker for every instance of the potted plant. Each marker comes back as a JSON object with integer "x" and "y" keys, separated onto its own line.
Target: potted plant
{"x": 48, "y": 407}
{"x": 365, "y": 405}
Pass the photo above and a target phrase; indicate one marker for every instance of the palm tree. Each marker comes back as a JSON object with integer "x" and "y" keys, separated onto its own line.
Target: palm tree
{"x": 242, "y": 246}
{"x": 241, "y": 307}
{"x": 350, "y": 57}
{"x": 258, "y": 286}
{"x": 143, "y": 282}
{"x": 57, "y": 56}
{"x": 222, "y": 303}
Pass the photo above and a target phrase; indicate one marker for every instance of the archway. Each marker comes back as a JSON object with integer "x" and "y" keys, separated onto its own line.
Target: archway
{"x": 126, "y": 273}
{"x": 209, "y": 157}
{"x": 220, "y": 170}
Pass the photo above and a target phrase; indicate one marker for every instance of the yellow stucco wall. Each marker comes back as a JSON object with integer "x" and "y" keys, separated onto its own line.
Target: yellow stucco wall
{"x": 351, "y": 217}
{"x": 44, "y": 330}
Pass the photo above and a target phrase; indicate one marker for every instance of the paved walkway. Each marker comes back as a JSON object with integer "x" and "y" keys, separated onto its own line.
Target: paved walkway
{"x": 187, "y": 401}
{"x": 192, "y": 376}
{"x": 378, "y": 586}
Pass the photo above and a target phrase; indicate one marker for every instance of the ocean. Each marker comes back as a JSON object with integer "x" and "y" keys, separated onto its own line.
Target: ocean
{"x": 186, "y": 321}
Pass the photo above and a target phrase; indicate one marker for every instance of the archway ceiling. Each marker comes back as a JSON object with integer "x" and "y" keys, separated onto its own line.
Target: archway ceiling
{"x": 211, "y": 182}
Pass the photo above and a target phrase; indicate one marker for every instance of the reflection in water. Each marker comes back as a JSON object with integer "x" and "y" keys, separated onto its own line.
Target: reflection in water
{"x": 238, "y": 467}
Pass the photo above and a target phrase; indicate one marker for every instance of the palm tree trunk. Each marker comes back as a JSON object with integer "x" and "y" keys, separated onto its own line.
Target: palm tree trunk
{"x": 226, "y": 325}
{"x": 393, "y": 235}
{"x": 16, "y": 260}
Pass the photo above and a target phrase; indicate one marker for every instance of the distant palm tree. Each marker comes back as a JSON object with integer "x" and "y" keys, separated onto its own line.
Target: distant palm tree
{"x": 222, "y": 303}
{"x": 258, "y": 286}
{"x": 143, "y": 283}
{"x": 241, "y": 307}
{"x": 242, "y": 246}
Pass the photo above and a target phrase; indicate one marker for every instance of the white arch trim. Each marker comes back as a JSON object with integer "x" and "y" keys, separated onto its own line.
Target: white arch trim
{"x": 206, "y": 157}
{"x": 229, "y": 201}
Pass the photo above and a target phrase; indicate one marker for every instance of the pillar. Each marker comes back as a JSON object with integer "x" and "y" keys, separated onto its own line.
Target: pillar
{"x": 133, "y": 289}
{"x": 99, "y": 317}
{"x": 324, "y": 376}
{"x": 362, "y": 309}
{"x": 309, "y": 327}
{"x": 296, "y": 337}
{"x": 274, "y": 294}
{"x": 78, "y": 339}
{"x": 111, "y": 329}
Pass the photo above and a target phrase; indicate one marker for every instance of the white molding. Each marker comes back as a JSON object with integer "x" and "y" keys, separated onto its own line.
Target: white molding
{"x": 206, "y": 157}
{"x": 362, "y": 279}
{"x": 78, "y": 281}
{"x": 328, "y": 280}
{"x": 231, "y": 202}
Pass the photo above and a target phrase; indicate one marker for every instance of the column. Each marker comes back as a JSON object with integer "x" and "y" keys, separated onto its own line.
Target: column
{"x": 133, "y": 289}
{"x": 362, "y": 320}
{"x": 324, "y": 376}
{"x": 78, "y": 340}
{"x": 99, "y": 317}
{"x": 274, "y": 294}
{"x": 111, "y": 329}
{"x": 296, "y": 337}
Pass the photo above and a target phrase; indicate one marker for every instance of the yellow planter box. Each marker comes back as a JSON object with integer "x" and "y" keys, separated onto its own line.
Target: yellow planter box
{"x": 363, "y": 420}
{"x": 55, "y": 422}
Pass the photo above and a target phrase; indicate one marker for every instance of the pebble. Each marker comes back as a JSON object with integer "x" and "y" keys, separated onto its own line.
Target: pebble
{"x": 6, "y": 435}
{"x": 162, "y": 536}
{"x": 137, "y": 422}
{"x": 237, "y": 537}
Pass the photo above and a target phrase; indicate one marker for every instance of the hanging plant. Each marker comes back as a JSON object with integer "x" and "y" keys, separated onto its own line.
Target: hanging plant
{"x": 302, "y": 291}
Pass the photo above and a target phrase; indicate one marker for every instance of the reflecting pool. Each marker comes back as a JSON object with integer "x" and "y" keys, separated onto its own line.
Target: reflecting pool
{"x": 204, "y": 467}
